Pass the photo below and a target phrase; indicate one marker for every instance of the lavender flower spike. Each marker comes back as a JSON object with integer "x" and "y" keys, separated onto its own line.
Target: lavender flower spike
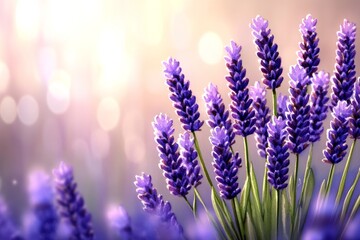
{"x": 241, "y": 104}
{"x": 189, "y": 158}
{"x": 282, "y": 101}
{"x": 218, "y": 116}
{"x": 309, "y": 50}
{"x": 225, "y": 163}
{"x": 337, "y": 133}
{"x": 268, "y": 53}
{"x": 7, "y": 228}
{"x": 278, "y": 155}
{"x": 355, "y": 116}
{"x": 298, "y": 115}
{"x": 173, "y": 170}
{"x": 344, "y": 74}
{"x": 154, "y": 203}
{"x": 71, "y": 204}
{"x": 258, "y": 94}
{"x": 119, "y": 220}
{"x": 318, "y": 104}
{"x": 42, "y": 222}
{"x": 183, "y": 99}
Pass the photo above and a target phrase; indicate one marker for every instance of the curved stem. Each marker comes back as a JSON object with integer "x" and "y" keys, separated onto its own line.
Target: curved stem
{"x": 274, "y": 98}
{"x": 203, "y": 166}
{"x": 187, "y": 201}
{"x": 345, "y": 172}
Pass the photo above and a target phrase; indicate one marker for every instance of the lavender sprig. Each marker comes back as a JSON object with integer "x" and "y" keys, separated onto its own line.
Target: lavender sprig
{"x": 7, "y": 228}
{"x": 344, "y": 74}
{"x": 258, "y": 94}
{"x": 189, "y": 157}
{"x": 120, "y": 221}
{"x": 318, "y": 108}
{"x": 354, "y": 121}
{"x": 173, "y": 170}
{"x": 298, "y": 115}
{"x": 309, "y": 50}
{"x": 268, "y": 53}
{"x": 336, "y": 136}
{"x": 43, "y": 219}
{"x": 183, "y": 99}
{"x": 154, "y": 203}
{"x": 71, "y": 204}
{"x": 278, "y": 155}
{"x": 215, "y": 109}
{"x": 241, "y": 104}
{"x": 225, "y": 163}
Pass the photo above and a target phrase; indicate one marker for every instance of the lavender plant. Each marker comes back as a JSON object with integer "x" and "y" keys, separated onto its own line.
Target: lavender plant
{"x": 71, "y": 204}
{"x": 295, "y": 123}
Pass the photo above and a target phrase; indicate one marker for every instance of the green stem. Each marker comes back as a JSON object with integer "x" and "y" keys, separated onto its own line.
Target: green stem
{"x": 187, "y": 201}
{"x": 274, "y": 98}
{"x": 278, "y": 213}
{"x": 238, "y": 231}
{"x": 293, "y": 216}
{"x": 345, "y": 172}
{"x": 307, "y": 170}
{"x": 202, "y": 163}
{"x": 330, "y": 179}
{"x": 247, "y": 163}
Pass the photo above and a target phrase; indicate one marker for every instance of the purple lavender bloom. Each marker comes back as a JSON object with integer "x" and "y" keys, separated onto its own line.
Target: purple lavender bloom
{"x": 337, "y": 133}
{"x": 258, "y": 94}
{"x": 241, "y": 105}
{"x": 282, "y": 102}
{"x": 71, "y": 203}
{"x": 119, "y": 220}
{"x": 183, "y": 99}
{"x": 355, "y": 116}
{"x": 154, "y": 203}
{"x": 226, "y": 163}
{"x": 189, "y": 158}
{"x": 344, "y": 74}
{"x": 278, "y": 155}
{"x": 309, "y": 50}
{"x": 7, "y": 229}
{"x": 173, "y": 170}
{"x": 215, "y": 107}
{"x": 318, "y": 104}
{"x": 298, "y": 115}
{"x": 42, "y": 222}
{"x": 268, "y": 53}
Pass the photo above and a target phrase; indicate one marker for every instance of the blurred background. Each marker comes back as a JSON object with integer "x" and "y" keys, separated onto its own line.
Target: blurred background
{"x": 81, "y": 81}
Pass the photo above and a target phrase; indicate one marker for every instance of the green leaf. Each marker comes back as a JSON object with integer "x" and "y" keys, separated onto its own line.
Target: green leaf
{"x": 291, "y": 196}
{"x": 309, "y": 184}
{"x": 194, "y": 205}
{"x": 349, "y": 197}
{"x": 255, "y": 188}
{"x": 273, "y": 217}
{"x": 285, "y": 213}
{"x": 244, "y": 199}
{"x": 217, "y": 205}
{"x": 323, "y": 188}
{"x": 355, "y": 208}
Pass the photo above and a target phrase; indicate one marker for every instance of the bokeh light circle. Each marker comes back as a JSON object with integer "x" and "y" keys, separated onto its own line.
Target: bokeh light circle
{"x": 8, "y": 110}
{"x": 28, "y": 110}
{"x": 108, "y": 113}
{"x": 210, "y": 48}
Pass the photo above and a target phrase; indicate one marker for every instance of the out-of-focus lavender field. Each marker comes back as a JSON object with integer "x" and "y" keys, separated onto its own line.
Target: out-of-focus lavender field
{"x": 80, "y": 82}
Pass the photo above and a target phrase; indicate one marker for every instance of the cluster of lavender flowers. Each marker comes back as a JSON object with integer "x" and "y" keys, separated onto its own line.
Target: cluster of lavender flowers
{"x": 282, "y": 131}
{"x": 295, "y": 123}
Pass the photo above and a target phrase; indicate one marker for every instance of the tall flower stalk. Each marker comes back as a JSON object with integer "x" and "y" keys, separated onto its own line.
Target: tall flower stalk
{"x": 268, "y": 54}
{"x": 344, "y": 74}
{"x": 71, "y": 204}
